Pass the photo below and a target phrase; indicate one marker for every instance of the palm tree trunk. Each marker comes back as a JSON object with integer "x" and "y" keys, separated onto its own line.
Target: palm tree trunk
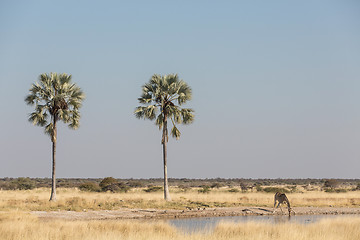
{"x": 164, "y": 141}
{"x": 53, "y": 178}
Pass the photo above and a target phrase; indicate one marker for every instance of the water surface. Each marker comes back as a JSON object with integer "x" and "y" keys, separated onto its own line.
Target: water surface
{"x": 189, "y": 225}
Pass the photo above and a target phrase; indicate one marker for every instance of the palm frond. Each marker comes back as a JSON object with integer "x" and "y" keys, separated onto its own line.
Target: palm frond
{"x": 187, "y": 115}
{"x": 146, "y": 98}
{"x": 64, "y": 79}
{"x": 30, "y": 99}
{"x": 74, "y": 103}
{"x": 150, "y": 112}
{"x": 38, "y": 118}
{"x": 155, "y": 80}
{"x": 175, "y": 133}
{"x": 76, "y": 93}
{"x": 139, "y": 112}
{"x": 184, "y": 93}
{"x": 160, "y": 121}
{"x": 46, "y": 89}
{"x": 146, "y": 112}
{"x": 172, "y": 80}
{"x": 74, "y": 121}
{"x": 149, "y": 88}
{"x": 49, "y": 130}
{"x": 175, "y": 114}
{"x": 64, "y": 115}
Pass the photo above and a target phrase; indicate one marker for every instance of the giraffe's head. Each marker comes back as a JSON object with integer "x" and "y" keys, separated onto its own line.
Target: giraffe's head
{"x": 291, "y": 210}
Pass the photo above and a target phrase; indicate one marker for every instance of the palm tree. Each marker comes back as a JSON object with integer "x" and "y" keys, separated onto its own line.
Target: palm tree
{"x": 159, "y": 96}
{"x": 55, "y": 98}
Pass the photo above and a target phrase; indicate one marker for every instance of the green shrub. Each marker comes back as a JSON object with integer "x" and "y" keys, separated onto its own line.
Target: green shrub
{"x": 22, "y": 184}
{"x": 90, "y": 187}
{"x": 7, "y": 186}
{"x": 205, "y": 189}
{"x": 123, "y": 187}
{"x": 153, "y": 189}
{"x": 135, "y": 184}
{"x": 111, "y": 188}
{"x": 108, "y": 184}
{"x": 234, "y": 190}
{"x": 116, "y": 187}
{"x": 293, "y": 189}
{"x": 184, "y": 188}
{"x": 332, "y": 190}
{"x": 216, "y": 185}
{"x": 243, "y": 186}
{"x": 275, "y": 189}
{"x": 331, "y": 183}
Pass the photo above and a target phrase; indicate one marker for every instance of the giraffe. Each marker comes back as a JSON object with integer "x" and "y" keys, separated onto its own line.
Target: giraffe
{"x": 282, "y": 199}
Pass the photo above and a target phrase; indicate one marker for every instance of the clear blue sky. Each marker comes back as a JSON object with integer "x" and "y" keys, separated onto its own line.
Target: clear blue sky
{"x": 276, "y": 87}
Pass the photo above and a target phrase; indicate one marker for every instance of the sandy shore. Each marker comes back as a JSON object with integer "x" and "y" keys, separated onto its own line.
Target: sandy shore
{"x": 198, "y": 212}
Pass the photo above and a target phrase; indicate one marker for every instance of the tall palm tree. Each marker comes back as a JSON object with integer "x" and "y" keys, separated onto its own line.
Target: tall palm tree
{"x": 159, "y": 96}
{"x": 55, "y": 98}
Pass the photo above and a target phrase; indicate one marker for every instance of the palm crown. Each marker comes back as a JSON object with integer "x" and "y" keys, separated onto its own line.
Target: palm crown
{"x": 159, "y": 95}
{"x": 55, "y": 98}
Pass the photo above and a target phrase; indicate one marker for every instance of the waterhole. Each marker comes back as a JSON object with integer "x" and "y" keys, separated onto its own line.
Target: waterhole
{"x": 190, "y": 225}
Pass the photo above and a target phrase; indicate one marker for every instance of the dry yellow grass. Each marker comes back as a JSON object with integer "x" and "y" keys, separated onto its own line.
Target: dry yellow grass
{"x": 328, "y": 229}
{"x": 75, "y": 200}
{"x": 17, "y": 225}
{"x": 23, "y": 226}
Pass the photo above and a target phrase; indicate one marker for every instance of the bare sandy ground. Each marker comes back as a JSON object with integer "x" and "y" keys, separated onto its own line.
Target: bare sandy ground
{"x": 198, "y": 212}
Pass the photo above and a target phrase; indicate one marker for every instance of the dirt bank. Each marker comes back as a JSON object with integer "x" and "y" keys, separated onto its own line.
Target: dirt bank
{"x": 198, "y": 212}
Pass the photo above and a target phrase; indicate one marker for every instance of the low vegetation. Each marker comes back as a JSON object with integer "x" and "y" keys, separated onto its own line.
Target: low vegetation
{"x": 74, "y": 199}
{"x": 19, "y": 184}
{"x": 17, "y": 225}
{"x": 112, "y": 194}
{"x": 243, "y": 184}
{"x": 22, "y": 195}
{"x": 153, "y": 189}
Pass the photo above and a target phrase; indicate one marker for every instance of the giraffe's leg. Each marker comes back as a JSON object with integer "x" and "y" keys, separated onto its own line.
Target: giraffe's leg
{"x": 280, "y": 208}
{"x": 274, "y": 206}
{"x": 277, "y": 206}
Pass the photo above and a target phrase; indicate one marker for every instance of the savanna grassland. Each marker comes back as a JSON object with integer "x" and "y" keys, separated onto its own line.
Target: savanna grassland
{"x": 72, "y": 199}
{"x": 15, "y": 225}
{"x": 18, "y": 222}
{"x": 205, "y": 195}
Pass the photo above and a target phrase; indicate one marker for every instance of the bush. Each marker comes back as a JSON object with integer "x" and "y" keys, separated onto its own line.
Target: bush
{"x": 123, "y": 187}
{"x": 217, "y": 185}
{"x": 7, "y": 186}
{"x": 153, "y": 189}
{"x": 331, "y": 183}
{"x": 332, "y": 190}
{"x": 90, "y": 187}
{"x": 258, "y": 188}
{"x": 293, "y": 189}
{"x": 243, "y": 186}
{"x": 22, "y": 184}
{"x": 234, "y": 190}
{"x": 184, "y": 188}
{"x": 275, "y": 189}
{"x": 106, "y": 182}
{"x": 205, "y": 189}
{"x": 111, "y": 187}
{"x": 135, "y": 184}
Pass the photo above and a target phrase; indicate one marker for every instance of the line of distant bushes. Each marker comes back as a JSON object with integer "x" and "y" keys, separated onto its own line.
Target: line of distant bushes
{"x": 206, "y": 185}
